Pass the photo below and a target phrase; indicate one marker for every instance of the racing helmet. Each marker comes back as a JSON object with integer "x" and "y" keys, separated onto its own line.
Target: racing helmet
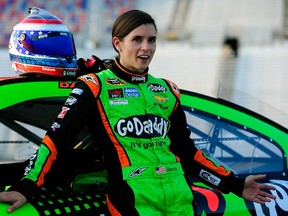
{"x": 41, "y": 44}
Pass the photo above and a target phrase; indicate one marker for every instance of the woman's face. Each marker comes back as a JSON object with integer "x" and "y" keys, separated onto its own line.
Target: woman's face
{"x": 137, "y": 49}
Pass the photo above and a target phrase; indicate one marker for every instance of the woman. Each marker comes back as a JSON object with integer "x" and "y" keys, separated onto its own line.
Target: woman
{"x": 141, "y": 130}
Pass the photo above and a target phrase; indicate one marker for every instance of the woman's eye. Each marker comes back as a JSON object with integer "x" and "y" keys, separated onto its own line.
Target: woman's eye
{"x": 137, "y": 39}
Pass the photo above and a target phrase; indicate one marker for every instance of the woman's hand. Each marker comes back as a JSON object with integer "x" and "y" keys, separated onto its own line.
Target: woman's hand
{"x": 255, "y": 191}
{"x": 15, "y": 198}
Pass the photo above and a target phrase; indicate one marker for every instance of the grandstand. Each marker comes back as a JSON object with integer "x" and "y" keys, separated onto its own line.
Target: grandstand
{"x": 73, "y": 13}
{"x": 254, "y": 22}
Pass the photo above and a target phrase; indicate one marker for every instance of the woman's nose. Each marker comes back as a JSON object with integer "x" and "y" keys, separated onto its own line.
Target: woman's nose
{"x": 145, "y": 46}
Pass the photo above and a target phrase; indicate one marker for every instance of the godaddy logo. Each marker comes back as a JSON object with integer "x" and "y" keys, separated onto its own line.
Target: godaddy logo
{"x": 142, "y": 126}
{"x": 156, "y": 88}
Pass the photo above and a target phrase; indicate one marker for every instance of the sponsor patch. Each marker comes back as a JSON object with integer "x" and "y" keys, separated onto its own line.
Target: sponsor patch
{"x": 70, "y": 101}
{"x": 131, "y": 92}
{"x": 118, "y": 102}
{"x": 137, "y": 172}
{"x": 54, "y": 126}
{"x": 77, "y": 91}
{"x": 31, "y": 162}
{"x": 209, "y": 177}
{"x": 154, "y": 87}
{"x": 115, "y": 93}
{"x": 63, "y": 112}
{"x": 138, "y": 79}
{"x": 160, "y": 99}
{"x": 114, "y": 81}
{"x": 144, "y": 126}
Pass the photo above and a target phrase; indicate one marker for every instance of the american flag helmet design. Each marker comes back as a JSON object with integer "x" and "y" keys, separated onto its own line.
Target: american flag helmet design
{"x": 42, "y": 44}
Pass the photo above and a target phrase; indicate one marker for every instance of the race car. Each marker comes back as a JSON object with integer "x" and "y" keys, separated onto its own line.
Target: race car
{"x": 232, "y": 135}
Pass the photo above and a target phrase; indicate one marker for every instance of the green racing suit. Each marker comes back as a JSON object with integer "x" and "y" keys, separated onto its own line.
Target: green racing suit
{"x": 141, "y": 130}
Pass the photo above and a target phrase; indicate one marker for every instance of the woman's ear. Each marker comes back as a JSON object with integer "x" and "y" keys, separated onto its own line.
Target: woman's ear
{"x": 116, "y": 43}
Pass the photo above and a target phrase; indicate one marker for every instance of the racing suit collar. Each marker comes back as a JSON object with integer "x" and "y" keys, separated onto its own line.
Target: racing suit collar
{"x": 128, "y": 75}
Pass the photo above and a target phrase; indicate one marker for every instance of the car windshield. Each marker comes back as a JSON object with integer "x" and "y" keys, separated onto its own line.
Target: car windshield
{"x": 234, "y": 146}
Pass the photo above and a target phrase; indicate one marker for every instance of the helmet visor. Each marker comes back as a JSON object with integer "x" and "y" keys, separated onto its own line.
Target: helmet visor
{"x": 48, "y": 43}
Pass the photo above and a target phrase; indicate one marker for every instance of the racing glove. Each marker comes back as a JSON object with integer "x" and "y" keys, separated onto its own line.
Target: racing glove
{"x": 92, "y": 65}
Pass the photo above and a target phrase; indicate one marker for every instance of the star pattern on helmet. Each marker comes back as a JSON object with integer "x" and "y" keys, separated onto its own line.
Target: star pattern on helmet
{"x": 20, "y": 48}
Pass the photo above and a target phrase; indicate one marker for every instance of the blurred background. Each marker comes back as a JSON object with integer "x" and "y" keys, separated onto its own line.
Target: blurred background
{"x": 203, "y": 45}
